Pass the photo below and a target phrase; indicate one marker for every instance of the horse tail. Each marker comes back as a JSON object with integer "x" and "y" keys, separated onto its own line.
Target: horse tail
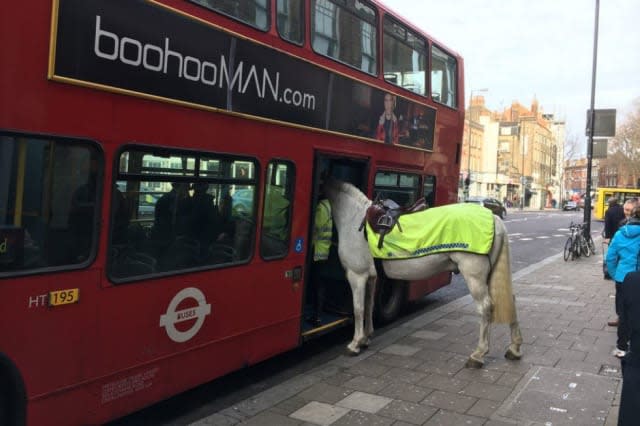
{"x": 500, "y": 283}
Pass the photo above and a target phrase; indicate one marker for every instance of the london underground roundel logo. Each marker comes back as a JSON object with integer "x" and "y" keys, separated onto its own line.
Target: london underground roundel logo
{"x": 172, "y": 316}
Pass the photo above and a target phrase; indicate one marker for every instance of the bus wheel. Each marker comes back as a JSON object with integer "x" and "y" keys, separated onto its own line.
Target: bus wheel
{"x": 12, "y": 404}
{"x": 4, "y": 402}
{"x": 390, "y": 298}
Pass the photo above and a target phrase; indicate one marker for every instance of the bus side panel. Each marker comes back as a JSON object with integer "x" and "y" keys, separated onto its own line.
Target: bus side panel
{"x": 248, "y": 313}
{"x": 51, "y": 345}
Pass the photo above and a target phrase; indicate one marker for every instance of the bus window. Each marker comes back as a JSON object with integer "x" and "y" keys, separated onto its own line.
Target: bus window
{"x": 252, "y": 12}
{"x": 276, "y": 220}
{"x": 291, "y": 20}
{"x": 404, "y": 57}
{"x": 403, "y": 188}
{"x": 444, "y": 74}
{"x": 48, "y": 202}
{"x": 174, "y": 211}
{"x": 345, "y": 31}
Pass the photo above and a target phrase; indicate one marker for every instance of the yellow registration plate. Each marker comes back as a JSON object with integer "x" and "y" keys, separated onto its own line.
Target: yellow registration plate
{"x": 64, "y": 297}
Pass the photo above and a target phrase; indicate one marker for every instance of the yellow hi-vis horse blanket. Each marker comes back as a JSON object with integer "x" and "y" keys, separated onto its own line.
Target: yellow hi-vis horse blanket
{"x": 456, "y": 227}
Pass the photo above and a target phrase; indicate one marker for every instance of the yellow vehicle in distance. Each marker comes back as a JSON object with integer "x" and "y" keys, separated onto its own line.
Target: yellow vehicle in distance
{"x": 600, "y": 204}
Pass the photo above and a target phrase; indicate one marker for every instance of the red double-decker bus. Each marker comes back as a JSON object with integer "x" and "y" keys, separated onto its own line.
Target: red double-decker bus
{"x": 160, "y": 165}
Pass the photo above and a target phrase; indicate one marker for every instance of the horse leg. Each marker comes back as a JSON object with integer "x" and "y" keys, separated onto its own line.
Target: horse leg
{"x": 513, "y": 351}
{"x": 480, "y": 293}
{"x": 358, "y": 289}
{"x": 368, "y": 310}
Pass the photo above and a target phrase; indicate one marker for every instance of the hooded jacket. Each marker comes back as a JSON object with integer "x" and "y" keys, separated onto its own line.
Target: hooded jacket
{"x": 623, "y": 255}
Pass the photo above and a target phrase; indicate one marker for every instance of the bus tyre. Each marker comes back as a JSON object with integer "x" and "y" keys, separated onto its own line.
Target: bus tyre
{"x": 390, "y": 298}
{"x": 5, "y": 418}
{"x": 12, "y": 401}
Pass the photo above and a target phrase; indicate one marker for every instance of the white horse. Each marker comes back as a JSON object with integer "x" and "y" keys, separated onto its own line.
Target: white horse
{"x": 488, "y": 277}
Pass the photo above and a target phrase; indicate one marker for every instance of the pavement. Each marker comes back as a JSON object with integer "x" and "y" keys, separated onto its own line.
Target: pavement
{"x": 413, "y": 373}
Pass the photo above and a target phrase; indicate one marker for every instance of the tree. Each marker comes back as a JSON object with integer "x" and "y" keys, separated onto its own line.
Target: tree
{"x": 624, "y": 148}
{"x": 572, "y": 150}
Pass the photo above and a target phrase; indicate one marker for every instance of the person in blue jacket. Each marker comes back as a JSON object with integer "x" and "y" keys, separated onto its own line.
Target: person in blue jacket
{"x": 623, "y": 257}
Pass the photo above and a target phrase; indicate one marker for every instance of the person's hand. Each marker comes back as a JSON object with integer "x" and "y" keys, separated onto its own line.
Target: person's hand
{"x": 381, "y": 121}
{"x": 606, "y": 240}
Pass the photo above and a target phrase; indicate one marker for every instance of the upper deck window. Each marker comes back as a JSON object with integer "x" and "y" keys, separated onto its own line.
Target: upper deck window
{"x": 444, "y": 77}
{"x": 252, "y": 12}
{"x": 404, "y": 57}
{"x": 345, "y": 30}
{"x": 291, "y": 20}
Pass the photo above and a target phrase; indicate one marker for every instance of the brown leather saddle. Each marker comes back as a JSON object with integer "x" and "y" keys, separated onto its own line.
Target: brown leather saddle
{"x": 383, "y": 215}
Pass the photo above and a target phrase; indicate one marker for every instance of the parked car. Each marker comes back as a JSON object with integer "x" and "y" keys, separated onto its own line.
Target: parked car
{"x": 571, "y": 205}
{"x": 581, "y": 203}
{"x": 491, "y": 203}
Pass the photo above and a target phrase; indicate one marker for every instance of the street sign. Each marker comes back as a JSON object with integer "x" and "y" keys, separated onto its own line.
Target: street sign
{"x": 605, "y": 123}
{"x": 599, "y": 148}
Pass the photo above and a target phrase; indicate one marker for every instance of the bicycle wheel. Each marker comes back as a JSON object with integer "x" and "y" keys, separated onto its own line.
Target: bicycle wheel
{"x": 568, "y": 248}
{"x": 575, "y": 249}
{"x": 591, "y": 244}
{"x": 584, "y": 247}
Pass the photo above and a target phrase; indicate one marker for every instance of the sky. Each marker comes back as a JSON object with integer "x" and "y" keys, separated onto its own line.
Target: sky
{"x": 521, "y": 49}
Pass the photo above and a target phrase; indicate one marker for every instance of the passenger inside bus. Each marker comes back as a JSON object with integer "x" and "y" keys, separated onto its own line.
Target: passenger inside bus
{"x": 82, "y": 211}
{"x": 204, "y": 217}
{"x": 171, "y": 230}
{"x": 276, "y": 222}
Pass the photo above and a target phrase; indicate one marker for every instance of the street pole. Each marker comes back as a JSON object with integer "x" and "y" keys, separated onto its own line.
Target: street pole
{"x": 591, "y": 126}
{"x": 467, "y": 181}
{"x": 522, "y": 180}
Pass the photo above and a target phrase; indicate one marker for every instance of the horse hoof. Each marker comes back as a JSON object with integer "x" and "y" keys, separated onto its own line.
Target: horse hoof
{"x": 473, "y": 363}
{"x": 353, "y": 351}
{"x": 510, "y": 355}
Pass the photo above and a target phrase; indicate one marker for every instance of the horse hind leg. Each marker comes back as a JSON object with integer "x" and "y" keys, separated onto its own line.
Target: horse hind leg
{"x": 358, "y": 289}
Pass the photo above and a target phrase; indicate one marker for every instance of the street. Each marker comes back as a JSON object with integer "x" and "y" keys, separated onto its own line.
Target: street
{"x": 534, "y": 236}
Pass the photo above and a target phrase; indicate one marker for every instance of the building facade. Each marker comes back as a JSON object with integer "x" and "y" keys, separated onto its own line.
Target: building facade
{"x": 514, "y": 155}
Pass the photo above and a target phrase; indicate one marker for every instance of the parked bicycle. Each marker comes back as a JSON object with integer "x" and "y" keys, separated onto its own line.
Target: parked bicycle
{"x": 578, "y": 244}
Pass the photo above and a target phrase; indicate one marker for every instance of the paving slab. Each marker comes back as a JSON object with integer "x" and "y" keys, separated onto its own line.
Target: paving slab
{"x": 559, "y": 397}
{"x": 319, "y": 413}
